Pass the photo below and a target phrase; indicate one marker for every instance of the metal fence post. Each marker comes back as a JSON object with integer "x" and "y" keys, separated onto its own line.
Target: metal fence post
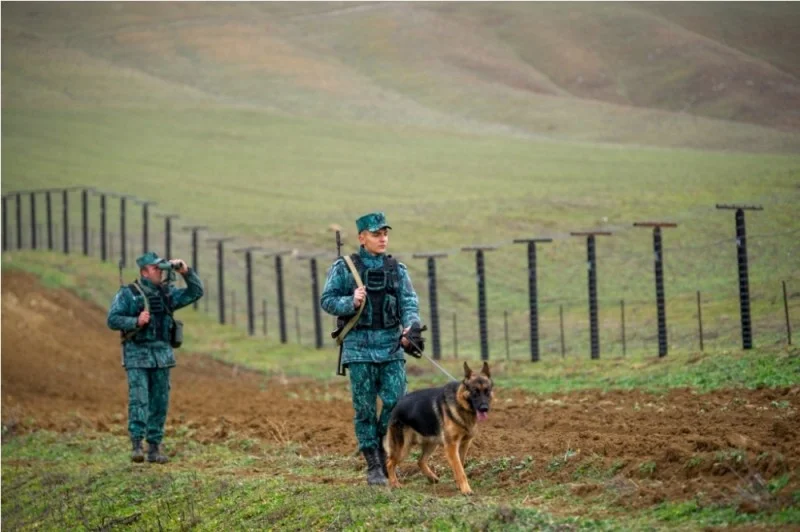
{"x": 279, "y": 286}
{"x": 65, "y": 218}
{"x": 168, "y": 233}
{"x": 19, "y": 219}
{"x": 146, "y": 224}
{"x": 85, "y": 219}
{"x": 315, "y": 304}
{"x": 658, "y": 255}
{"x": 594, "y": 335}
{"x": 49, "y": 210}
{"x": 481, "y": 280}
{"x": 315, "y": 308}
{"x": 195, "y": 247}
{"x": 103, "y": 237}
{"x": 123, "y": 228}
{"x": 33, "y": 220}
{"x": 221, "y": 275}
{"x": 248, "y": 264}
{"x": 533, "y": 304}
{"x": 433, "y": 300}
{"x": 744, "y": 283}
{"x": 5, "y": 223}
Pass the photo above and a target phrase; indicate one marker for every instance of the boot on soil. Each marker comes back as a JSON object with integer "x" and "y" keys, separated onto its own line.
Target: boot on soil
{"x": 154, "y": 455}
{"x": 375, "y": 474}
{"x": 137, "y": 454}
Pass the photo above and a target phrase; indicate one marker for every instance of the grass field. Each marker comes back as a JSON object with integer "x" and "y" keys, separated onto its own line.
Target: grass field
{"x": 81, "y": 478}
{"x": 270, "y": 189}
{"x": 88, "y": 484}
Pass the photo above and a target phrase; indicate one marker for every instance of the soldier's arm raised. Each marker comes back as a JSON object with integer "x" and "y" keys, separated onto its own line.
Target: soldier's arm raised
{"x": 409, "y": 302}
{"x": 337, "y": 295}
{"x": 122, "y": 316}
{"x": 182, "y": 297}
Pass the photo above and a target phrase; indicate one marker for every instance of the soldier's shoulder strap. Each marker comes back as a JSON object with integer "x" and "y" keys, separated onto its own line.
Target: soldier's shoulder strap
{"x": 135, "y": 286}
{"x": 352, "y": 323}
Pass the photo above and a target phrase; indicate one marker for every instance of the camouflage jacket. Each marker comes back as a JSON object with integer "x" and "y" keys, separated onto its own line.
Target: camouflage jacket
{"x": 150, "y": 347}
{"x": 368, "y": 345}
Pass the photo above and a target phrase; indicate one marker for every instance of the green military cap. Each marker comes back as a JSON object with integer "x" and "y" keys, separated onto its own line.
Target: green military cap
{"x": 151, "y": 258}
{"x": 373, "y": 221}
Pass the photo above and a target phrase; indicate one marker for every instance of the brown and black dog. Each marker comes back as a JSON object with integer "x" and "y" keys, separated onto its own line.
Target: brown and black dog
{"x": 439, "y": 416}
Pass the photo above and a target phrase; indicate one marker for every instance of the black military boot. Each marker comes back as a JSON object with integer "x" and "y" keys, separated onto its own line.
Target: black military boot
{"x": 382, "y": 458}
{"x": 154, "y": 455}
{"x": 137, "y": 455}
{"x": 375, "y": 474}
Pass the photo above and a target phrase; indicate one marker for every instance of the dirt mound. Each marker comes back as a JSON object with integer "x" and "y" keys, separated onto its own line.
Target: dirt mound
{"x": 61, "y": 371}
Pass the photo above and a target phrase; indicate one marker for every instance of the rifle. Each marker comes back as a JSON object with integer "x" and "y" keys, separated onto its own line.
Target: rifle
{"x": 122, "y": 345}
{"x": 340, "y": 370}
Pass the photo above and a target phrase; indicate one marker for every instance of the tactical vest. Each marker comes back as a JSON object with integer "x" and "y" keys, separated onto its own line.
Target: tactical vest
{"x": 383, "y": 305}
{"x": 159, "y": 310}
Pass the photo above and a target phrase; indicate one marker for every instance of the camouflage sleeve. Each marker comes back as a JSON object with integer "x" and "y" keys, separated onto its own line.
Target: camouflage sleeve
{"x": 409, "y": 302}
{"x": 122, "y": 315}
{"x": 182, "y": 297}
{"x": 337, "y": 295}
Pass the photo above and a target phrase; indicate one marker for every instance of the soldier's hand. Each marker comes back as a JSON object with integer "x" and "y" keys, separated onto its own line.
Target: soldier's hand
{"x": 181, "y": 265}
{"x": 358, "y": 297}
{"x": 403, "y": 339}
{"x": 144, "y": 319}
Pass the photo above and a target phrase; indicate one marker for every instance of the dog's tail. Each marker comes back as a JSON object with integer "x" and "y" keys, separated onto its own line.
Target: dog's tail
{"x": 394, "y": 435}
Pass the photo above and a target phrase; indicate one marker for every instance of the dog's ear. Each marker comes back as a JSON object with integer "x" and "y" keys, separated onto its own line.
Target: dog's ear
{"x": 485, "y": 370}
{"x": 467, "y": 371}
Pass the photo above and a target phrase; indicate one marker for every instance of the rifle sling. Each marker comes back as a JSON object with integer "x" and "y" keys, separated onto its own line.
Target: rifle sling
{"x": 352, "y": 323}
{"x": 130, "y": 334}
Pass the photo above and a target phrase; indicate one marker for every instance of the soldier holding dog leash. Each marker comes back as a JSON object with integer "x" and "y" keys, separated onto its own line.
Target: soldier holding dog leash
{"x": 142, "y": 312}
{"x": 378, "y": 310}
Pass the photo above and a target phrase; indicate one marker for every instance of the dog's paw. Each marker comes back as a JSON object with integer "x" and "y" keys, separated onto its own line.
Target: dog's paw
{"x": 466, "y": 490}
{"x": 433, "y": 479}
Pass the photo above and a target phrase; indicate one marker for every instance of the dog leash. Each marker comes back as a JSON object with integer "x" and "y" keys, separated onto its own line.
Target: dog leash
{"x": 432, "y": 361}
{"x": 440, "y": 367}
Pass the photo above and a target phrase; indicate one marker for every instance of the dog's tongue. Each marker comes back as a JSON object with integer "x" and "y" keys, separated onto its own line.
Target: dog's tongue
{"x": 483, "y": 416}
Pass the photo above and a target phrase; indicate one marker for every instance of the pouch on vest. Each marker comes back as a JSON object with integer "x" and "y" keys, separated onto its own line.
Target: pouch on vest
{"x": 176, "y": 333}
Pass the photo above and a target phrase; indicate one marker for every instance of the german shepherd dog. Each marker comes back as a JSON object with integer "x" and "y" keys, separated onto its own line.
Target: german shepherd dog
{"x": 439, "y": 416}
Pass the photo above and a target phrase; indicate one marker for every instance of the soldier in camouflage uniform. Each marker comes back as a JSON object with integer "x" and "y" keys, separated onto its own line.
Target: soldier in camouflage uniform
{"x": 371, "y": 350}
{"x": 147, "y": 353}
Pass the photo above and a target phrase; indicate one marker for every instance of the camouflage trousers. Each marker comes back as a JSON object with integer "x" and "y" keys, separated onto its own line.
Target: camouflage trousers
{"x": 368, "y": 381}
{"x": 148, "y": 399}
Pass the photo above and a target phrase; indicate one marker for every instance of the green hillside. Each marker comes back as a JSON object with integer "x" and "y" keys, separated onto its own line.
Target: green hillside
{"x": 466, "y": 123}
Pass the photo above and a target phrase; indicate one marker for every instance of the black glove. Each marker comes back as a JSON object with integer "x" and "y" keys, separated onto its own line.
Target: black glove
{"x": 416, "y": 343}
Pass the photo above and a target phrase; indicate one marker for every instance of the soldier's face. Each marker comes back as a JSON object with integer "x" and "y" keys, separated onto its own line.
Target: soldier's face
{"x": 152, "y": 273}
{"x": 374, "y": 242}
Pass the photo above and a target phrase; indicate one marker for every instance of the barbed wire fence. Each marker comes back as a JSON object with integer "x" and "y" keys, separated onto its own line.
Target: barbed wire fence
{"x": 491, "y": 300}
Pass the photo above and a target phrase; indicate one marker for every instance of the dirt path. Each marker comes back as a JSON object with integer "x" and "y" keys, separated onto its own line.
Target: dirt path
{"x": 61, "y": 371}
